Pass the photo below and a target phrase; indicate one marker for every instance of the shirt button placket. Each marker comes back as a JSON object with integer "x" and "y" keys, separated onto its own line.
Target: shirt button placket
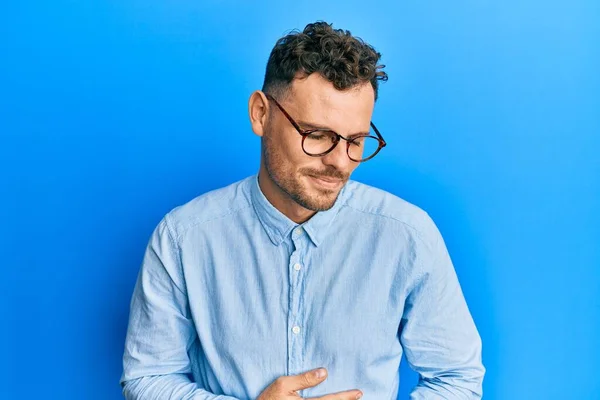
{"x": 295, "y": 333}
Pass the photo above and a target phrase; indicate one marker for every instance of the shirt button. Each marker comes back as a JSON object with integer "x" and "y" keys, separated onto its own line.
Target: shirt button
{"x": 297, "y": 267}
{"x": 298, "y": 231}
{"x": 296, "y": 329}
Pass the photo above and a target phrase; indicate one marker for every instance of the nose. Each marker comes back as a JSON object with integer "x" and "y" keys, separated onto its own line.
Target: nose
{"x": 338, "y": 158}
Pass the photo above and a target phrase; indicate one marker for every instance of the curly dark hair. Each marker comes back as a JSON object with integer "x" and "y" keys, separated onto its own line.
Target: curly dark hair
{"x": 344, "y": 60}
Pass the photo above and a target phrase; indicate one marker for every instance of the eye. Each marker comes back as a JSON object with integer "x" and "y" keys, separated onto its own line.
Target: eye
{"x": 322, "y": 136}
{"x": 358, "y": 142}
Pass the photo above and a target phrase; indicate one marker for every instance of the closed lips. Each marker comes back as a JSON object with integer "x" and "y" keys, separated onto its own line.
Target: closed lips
{"x": 328, "y": 180}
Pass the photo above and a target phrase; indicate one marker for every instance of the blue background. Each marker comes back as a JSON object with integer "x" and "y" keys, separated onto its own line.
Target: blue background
{"x": 114, "y": 112}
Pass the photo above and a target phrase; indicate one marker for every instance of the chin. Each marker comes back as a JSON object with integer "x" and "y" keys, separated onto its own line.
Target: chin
{"x": 318, "y": 199}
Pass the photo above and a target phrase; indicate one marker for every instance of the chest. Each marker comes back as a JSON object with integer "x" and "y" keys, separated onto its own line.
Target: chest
{"x": 342, "y": 297}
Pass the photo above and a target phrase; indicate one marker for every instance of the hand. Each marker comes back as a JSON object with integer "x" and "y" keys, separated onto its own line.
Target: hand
{"x": 285, "y": 387}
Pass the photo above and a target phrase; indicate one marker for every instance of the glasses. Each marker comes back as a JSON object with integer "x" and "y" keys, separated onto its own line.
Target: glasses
{"x": 318, "y": 142}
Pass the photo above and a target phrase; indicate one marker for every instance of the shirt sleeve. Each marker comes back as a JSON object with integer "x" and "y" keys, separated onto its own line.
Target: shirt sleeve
{"x": 438, "y": 334}
{"x": 156, "y": 364}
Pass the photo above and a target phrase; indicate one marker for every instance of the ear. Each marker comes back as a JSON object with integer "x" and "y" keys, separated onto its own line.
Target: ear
{"x": 258, "y": 110}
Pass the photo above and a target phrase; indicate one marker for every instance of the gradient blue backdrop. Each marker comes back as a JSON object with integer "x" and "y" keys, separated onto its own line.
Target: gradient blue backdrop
{"x": 113, "y": 112}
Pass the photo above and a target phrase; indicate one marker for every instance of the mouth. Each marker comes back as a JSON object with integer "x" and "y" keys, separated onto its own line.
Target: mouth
{"x": 326, "y": 182}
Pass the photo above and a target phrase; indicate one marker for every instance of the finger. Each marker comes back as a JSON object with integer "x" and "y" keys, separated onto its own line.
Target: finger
{"x": 346, "y": 395}
{"x": 306, "y": 380}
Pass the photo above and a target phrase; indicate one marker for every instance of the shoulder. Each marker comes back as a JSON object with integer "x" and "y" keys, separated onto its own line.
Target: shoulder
{"x": 391, "y": 209}
{"x": 216, "y": 204}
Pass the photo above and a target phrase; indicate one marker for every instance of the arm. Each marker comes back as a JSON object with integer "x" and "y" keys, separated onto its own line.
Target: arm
{"x": 160, "y": 331}
{"x": 438, "y": 334}
{"x": 171, "y": 386}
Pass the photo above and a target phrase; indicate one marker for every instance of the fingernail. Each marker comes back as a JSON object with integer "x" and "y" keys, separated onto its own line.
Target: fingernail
{"x": 320, "y": 373}
{"x": 358, "y": 396}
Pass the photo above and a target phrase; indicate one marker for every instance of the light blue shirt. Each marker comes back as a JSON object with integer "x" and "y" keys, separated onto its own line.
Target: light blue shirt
{"x": 232, "y": 294}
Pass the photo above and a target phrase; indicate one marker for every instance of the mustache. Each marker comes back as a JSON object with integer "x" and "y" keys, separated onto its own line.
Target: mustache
{"x": 328, "y": 173}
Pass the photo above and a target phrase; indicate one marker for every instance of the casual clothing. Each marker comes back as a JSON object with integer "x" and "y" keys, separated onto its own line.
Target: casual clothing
{"x": 233, "y": 294}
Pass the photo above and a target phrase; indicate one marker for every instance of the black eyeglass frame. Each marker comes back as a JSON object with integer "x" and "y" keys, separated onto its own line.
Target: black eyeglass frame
{"x": 306, "y": 132}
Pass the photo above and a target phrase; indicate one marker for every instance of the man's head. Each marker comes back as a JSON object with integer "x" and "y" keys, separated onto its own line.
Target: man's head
{"x": 325, "y": 79}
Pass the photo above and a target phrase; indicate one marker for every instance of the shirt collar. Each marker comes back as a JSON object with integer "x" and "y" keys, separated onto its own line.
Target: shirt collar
{"x": 278, "y": 226}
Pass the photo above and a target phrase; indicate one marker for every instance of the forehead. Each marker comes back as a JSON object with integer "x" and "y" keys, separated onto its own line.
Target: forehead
{"x": 318, "y": 101}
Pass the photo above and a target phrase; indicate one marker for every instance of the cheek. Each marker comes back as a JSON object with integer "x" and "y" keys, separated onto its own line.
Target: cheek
{"x": 287, "y": 149}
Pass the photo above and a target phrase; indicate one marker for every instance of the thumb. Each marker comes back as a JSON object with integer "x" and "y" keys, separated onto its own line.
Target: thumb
{"x": 309, "y": 379}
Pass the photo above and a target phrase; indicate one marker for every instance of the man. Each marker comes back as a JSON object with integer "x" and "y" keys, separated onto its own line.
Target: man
{"x": 297, "y": 282}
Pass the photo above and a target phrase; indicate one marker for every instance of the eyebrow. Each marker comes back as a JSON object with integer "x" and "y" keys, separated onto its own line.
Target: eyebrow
{"x": 309, "y": 126}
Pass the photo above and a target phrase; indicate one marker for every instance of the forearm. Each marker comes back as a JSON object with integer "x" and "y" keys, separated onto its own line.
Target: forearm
{"x": 167, "y": 387}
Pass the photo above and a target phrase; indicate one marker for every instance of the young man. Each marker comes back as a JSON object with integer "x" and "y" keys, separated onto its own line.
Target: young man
{"x": 297, "y": 282}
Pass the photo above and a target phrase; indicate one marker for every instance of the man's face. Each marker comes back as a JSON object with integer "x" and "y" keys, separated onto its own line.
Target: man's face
{"x": 315, "y": 182}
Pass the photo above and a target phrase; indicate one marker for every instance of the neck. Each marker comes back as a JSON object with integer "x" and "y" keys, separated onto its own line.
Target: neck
{"x": 281, "y": 200}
